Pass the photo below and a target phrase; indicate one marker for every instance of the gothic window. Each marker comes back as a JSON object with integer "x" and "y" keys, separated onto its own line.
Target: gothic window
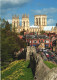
{"x": 39, "y": 21}
{"x": 44, "y": 21}
{"x": 24, "y": 23}
{"x": 36, "y": 21}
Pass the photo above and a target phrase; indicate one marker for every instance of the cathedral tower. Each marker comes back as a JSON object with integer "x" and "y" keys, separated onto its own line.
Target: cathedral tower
{"x": 40, "y": 20}
{"x": 15, "y": 23}
{"x": 25, "y": 22}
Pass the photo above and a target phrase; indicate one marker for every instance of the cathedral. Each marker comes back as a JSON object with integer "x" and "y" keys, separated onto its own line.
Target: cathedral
{"x": 40, "y": 22}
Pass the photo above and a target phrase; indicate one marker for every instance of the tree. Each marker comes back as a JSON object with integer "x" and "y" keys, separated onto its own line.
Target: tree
{"x": 7, "y": 26}
{"x": 42, "y": 32}
{"x": 22, "y": 32}
{"x": 10, "y": 43}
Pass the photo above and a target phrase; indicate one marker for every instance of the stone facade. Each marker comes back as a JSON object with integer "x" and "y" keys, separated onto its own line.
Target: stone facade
{"x": 29, "y": 52}
{"x": 40, "y": 22}
{"x": 54, "y": 29}
{"x": 15, "y": 23}
{"x": 25, "y": 22}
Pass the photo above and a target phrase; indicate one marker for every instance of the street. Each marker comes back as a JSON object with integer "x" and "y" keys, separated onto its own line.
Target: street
{"x": 46, "y": 54}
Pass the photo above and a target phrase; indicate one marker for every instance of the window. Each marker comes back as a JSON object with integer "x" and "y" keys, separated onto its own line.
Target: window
{"x": 41, "y": 40}
{"x": 39, "y": 21}
{"x": 36, "y": 21}
{"x": 24, "y": 23}
{"x": 34, "y": 41}
{"x": 44, "y": 21}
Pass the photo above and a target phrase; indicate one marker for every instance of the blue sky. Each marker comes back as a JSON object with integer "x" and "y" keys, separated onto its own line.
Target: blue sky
{"x": 31, "y": 7}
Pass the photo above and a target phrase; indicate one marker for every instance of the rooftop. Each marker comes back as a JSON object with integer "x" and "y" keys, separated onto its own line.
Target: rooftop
{"x": 34, "y": 26}
{"x": 40, "y": 15}
{"x": 15, "y": 17}
{"x": 25, "y": 16}
{"x": 48, "y": 28}
{"x": 37, "y": 37}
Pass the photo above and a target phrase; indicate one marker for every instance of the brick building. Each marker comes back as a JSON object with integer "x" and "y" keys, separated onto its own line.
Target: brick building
{"x": 34, "y": 40}
{"x": 54, "y": 44}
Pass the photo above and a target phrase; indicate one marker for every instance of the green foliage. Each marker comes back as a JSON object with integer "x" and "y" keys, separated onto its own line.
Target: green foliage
{"x": 17, "y": 70}
{"x": 50, "y": 65}
{"x": 7, "y": 26}
{"x": 42, "y": 32}
{"x": 22, "y": 32}
{"x": 10, "y": 43}
{"x": 2, "y": 23}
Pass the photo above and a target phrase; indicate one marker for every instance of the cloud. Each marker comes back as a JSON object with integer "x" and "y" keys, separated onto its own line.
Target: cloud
{"x": 50, "y": 12}
{"x": 51, "y": 22}
{"x": 6, "y": 4}
{"x": 45, "y": 11}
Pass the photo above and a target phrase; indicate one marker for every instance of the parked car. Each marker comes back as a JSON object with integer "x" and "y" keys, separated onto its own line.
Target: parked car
{"x": 47, "y": 55}
{"x": 44, "y": 50}
{"x": 52, "y": 55}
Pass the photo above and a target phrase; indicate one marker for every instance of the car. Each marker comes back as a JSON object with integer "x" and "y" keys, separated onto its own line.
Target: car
{"x": 52, "y": 55}
{"x": 51, "y": 49}
{"x": 44, "y": 50}
{"x": 47, "y": 55}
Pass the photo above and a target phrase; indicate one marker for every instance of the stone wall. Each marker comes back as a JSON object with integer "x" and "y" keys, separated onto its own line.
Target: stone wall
{"x": 29, "y": 52}
{"x": 39, "y": 69}
{"x": 43, "y": 72}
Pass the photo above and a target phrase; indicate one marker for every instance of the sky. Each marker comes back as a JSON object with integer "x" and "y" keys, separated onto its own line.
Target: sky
{"x": 8, "y": 8}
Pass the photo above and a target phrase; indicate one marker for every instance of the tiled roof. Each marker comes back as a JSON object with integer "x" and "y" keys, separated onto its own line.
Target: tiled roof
{"x": 37, "y": 37}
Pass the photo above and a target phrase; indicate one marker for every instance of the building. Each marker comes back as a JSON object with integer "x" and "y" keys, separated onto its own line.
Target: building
{"x": 54, "y": 29}
{"x": 40, "y": 21}
{"x": 34, "y": 40}
{"x": 54, "y": 44}
{"x": 15, "y": 23}
{"x": 51, "y": 29}
{"x": 25, "y": 22}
